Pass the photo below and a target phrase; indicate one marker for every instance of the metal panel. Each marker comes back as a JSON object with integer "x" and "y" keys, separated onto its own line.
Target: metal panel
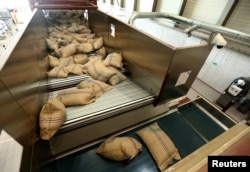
{"x": 146, "y": 59}
{"x": 22, "y": 87}
{"x": 25, "y": 69}
{"x": 183, "y": 70}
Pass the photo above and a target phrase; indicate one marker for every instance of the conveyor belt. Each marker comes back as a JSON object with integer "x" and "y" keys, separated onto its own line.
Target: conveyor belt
{"x": 57, "y": 83}
{"x": 203, "y": 123}
{"x": 123, "y": 97}
{"x": 184, "y": 137}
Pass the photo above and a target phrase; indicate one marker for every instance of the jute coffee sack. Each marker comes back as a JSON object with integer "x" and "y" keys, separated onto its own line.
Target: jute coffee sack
{"x": 96, "y": 69}
{"x": 53, "y": 61}
{"x": 101, "y": 52}
{"x": 52, "y": 43}
{"x": 58, "y": 72}
{"x": 160, "y": 145}
{"x": 114, "y": 59}
{"x": 117, "y": 77}
{"x": 63, "y": 42}
{"x": 99, "y": 87}
{"x": 119, "y": 148}
{"x": 98, "y": 43}
{"x": 51, "y": 118}
{"x": 83, "y": 35}
{"x": 77, "y": 28}
{"x": 76, "y": 96}
{"x": 76, "y": 69}
{"x": 66, "y": 51}
{"x": 80, "y": 59}
{"x": 56, "y": 34}
{"x": 84, "y": 48}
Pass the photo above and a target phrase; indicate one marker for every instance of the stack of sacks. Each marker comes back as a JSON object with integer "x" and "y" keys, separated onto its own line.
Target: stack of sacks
{"x": 107, "y": 70}
{"x": 53, "y": 112}
{"x": 70, "y": 37}
{"x": 71, "y": 44}
{"x": 104, "y": 73}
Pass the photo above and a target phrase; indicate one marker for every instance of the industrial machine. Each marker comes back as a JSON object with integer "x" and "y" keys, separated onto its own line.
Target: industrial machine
{"x": 158, "y": 73}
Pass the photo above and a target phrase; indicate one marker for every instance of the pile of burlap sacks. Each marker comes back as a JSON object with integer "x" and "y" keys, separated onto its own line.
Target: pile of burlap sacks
{"x": 74, "y": 49}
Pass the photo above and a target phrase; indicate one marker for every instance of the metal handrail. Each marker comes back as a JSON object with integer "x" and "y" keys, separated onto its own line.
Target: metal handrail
{"x": 194, "y": 24}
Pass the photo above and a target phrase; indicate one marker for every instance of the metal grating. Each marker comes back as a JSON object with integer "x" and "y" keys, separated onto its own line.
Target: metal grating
{"x": 122, "y": 97}
{"x": 58, "y": 83}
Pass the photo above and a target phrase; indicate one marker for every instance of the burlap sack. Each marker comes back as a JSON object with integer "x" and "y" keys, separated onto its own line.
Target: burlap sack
{"x": 119, "y": 148}
{"x": 85, "y": 31}
{"x": 99, "y": 87}
{"x": 62, "y": 42}
{"x": 77, "y": 28}
{"x": 52, "y": 44}
{"x": 76, "y": 69}
{"x": 113, "y": 59}
{"x": 67, "y": 37}
{"x": 80, "y": 59}
{"x": 84, "y": 35}
{"x": 98, "y": 43}
{"x": 160, "y": 145}
{"x": 85, "y": 48}
{"x": 52, "y": 29}
{"x": 58, "y": 72}
{"x": 76, "y": 96}
{"x": 53, "y": 61}
{"x": 55, "y": 34}
{"x": 81, "y": 40}
{"x": 51, "y": 118}
{"x": 117, "y": 78}
{"x": 101, "y": 52}
{"x": 75, "y": 42}
{"x": 96, "y": 69}
{"x": 66, "y": 51}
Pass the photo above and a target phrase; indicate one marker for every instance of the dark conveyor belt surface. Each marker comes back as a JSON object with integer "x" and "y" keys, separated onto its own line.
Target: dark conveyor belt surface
{"x": 184, "y": 137}
{"x": 208, "y": 128}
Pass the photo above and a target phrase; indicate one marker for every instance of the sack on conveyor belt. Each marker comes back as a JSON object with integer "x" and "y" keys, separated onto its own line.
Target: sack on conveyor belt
{"x": 66, "y": 51}
{"x": 58, "y": 71}
{"x": 101, "y": 52}
{"x": 117, "y": 77}
{"x": 99, "y": 87}
{"x": 119, "y": 148}
{"x": 113, "y": 59}
{"x": 97, "y": 70}
{"x": 160, "y": 145}
{"x": 80, "y": 59}
{"x": 53, "y": 61}
{"x": 52, "y": 44}
{"x": 76, "y": 69}
{"x": 84, "y": 48}
{"x": 51, "y": 118}
{"x": 77, "y": 96}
